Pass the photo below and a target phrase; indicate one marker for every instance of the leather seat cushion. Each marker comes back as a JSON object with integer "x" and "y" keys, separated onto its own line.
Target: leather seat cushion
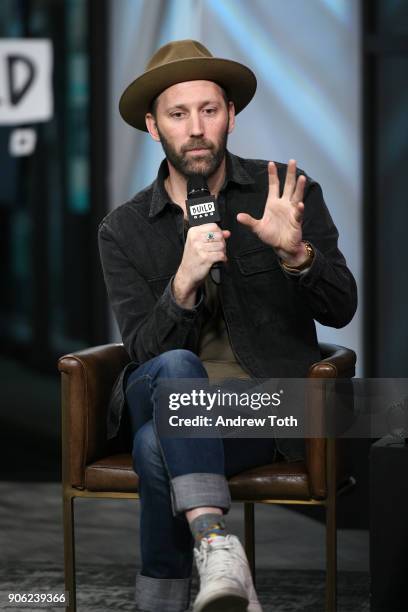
{"x": 114, "y": 473}
{"x": 278, "y": 480}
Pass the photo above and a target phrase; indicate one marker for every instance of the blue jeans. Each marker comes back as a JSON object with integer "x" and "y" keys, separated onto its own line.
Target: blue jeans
{"x": 176, "y": 475}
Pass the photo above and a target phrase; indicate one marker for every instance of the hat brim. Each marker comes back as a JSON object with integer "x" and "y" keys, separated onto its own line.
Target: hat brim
{"x": 238, "y": 81}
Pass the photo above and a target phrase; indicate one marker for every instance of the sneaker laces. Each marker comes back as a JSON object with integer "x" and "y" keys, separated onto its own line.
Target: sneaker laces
{"x": 217, "y": 558}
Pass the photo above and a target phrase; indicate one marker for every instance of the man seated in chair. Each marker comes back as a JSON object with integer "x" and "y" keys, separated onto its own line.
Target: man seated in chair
{"x": 279, "y": 269}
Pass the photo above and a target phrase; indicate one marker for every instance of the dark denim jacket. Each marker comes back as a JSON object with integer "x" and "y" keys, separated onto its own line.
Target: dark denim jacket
{"x": 269, "y": 314}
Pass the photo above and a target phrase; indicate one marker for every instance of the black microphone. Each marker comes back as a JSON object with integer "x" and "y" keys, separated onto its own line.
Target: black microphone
{"x": 201, "y": 206}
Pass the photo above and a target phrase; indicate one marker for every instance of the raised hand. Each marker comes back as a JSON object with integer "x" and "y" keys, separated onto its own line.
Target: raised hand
{"x": 281, "y": 223}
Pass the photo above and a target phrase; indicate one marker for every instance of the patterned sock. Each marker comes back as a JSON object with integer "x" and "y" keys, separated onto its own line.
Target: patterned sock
{"x": 209, "y": 526}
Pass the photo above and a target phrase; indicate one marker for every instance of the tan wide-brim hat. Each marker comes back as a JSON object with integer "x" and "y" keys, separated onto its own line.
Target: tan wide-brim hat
{"x": 179, "y": 61}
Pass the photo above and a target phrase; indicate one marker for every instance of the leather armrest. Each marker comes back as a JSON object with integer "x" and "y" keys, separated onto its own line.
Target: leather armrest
{"x": 87, "y": 378}
{"x": 336, "y": 362}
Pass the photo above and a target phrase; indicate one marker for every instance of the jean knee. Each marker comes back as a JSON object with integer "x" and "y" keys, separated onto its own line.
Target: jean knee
{"x": 181, "y": 363}
{"x": 147, "y": 458}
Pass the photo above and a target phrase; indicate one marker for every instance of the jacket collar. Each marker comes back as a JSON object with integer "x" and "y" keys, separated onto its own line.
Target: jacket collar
{"x": 235, "y": 173}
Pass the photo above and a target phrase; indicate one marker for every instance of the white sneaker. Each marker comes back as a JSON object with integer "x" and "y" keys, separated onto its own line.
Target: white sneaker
{"x": 253, "y": 604}
{"x": 223, "y": 569}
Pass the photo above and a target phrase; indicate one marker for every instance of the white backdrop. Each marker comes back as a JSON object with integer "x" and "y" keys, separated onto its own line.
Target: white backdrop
{"x": 306, "y": 56}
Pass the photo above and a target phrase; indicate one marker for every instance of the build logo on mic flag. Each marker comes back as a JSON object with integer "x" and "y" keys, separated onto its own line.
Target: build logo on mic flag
{"x": 202, "y": 210}
{"x": 205, "y": 209}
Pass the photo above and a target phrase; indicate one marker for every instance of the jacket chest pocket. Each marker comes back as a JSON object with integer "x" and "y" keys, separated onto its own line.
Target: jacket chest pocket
{"x": 259, "y": 284}
{"x": 257, "y": 261}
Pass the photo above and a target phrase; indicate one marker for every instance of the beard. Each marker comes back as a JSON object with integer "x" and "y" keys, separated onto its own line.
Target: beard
{"x": 204, "y": 164}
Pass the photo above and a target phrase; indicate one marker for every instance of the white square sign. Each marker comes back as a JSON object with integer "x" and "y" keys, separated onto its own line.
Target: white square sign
{"x": 26, "y": 94}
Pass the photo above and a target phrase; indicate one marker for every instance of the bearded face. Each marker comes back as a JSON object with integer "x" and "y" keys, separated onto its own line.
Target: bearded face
{"x": 197, "y": 156}
{"x": 192, "y": 120}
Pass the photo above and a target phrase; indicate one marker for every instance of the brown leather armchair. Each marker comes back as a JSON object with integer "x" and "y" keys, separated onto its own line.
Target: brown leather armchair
{"x": 95, "y": 467}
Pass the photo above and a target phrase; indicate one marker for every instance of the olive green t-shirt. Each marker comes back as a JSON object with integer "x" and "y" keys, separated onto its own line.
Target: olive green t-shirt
{"x": 214, "y": 348}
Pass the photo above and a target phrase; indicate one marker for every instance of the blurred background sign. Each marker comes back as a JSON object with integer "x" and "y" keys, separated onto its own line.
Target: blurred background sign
{"x": 52, "y": 184}
{"x": 25, "y": 81}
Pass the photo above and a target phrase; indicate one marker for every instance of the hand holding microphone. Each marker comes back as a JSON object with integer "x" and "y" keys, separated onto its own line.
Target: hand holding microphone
{"x": 205, "y": 243}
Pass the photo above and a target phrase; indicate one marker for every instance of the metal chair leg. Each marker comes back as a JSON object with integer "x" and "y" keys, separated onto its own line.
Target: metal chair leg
{"x": 250, "y": 536}
{"x": 69, "y": 550}
{"x": 331, "y": 530}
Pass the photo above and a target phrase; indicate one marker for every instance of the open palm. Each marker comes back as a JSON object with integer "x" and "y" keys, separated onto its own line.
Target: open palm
{"x": 281, "y": 223}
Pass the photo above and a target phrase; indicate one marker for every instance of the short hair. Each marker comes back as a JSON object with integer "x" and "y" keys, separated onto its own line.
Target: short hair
{"x": 153, "y": 103}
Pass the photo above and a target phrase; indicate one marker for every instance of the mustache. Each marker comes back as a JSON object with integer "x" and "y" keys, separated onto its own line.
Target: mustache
{"x": 198, "y": 144}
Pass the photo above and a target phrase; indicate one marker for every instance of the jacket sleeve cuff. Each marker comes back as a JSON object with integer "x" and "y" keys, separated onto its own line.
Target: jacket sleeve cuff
{"x": 309, "y": 276}
{"x": 177, "y": 312}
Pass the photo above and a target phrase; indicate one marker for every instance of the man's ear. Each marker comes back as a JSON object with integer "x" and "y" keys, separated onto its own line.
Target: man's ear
{"x": 152, "y": 127}
{"x": 231, "y": 113}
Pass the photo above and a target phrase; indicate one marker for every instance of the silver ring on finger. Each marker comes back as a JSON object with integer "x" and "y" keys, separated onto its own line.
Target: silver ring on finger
{"x": 210, "y": 237}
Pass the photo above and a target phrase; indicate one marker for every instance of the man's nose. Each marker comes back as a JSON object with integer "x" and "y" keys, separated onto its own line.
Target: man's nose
{"x": 196, "y": 125}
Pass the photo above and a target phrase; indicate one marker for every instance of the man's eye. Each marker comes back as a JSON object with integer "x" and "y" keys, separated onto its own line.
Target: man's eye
{"x": 210, "y": 111}
{"x": 177, "y": 115}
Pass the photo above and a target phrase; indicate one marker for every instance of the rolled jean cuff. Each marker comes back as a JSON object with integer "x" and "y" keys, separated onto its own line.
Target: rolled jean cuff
{"x": 164, "y": 594}
{"x": 199, "y": 489}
